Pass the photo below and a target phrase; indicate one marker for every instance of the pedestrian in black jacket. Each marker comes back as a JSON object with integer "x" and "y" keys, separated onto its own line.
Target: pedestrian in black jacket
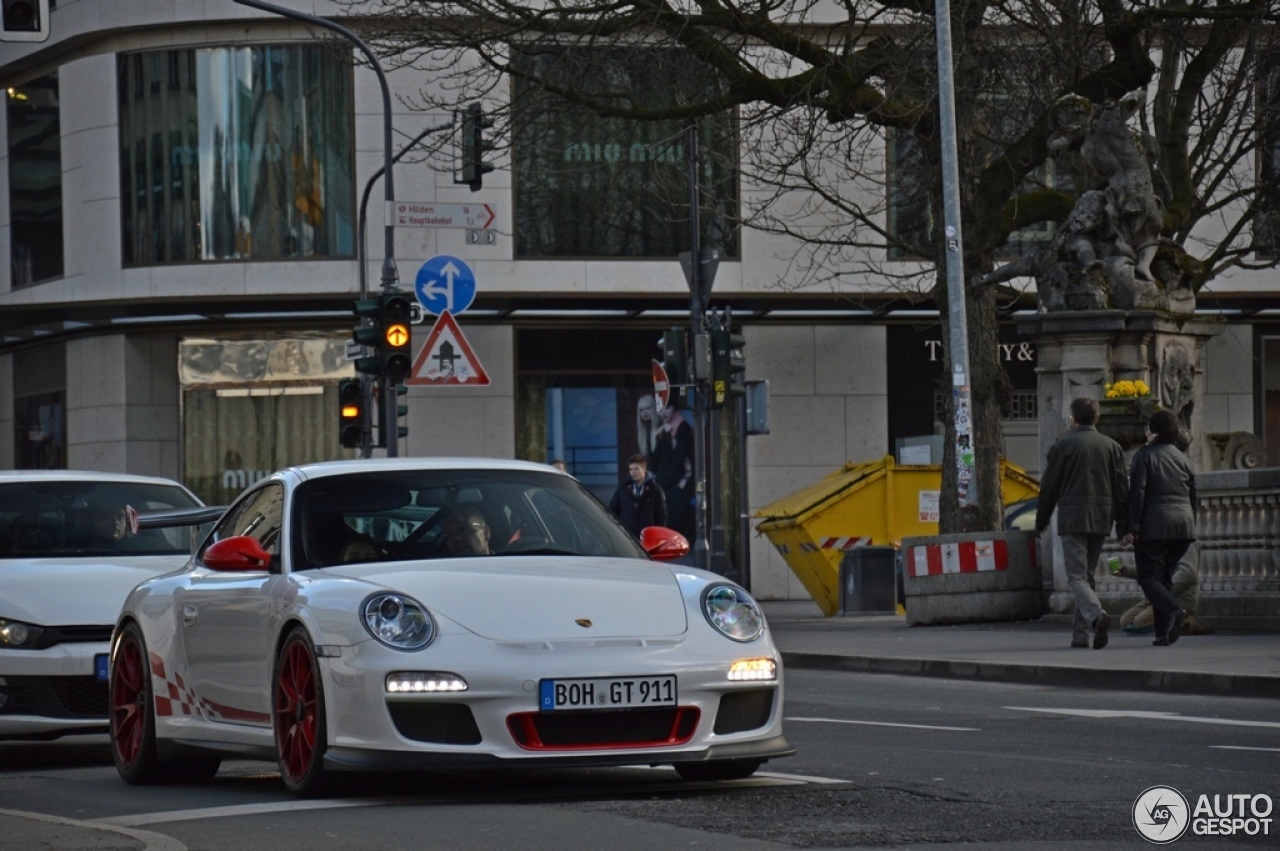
{"x": 639, "y": 501}
{"x": 1162, "y": 520}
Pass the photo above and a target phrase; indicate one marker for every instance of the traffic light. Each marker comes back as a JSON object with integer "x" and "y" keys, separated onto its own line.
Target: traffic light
{"x": 726, "y": 360}
{"x": 387, "y": 333}
{"x": 473, "y": 147}
{"x": 351, "y": 413}
{"x": 396, "y": 337}
{"x": 25, "y": 20}
{"x": 675, "y": 355}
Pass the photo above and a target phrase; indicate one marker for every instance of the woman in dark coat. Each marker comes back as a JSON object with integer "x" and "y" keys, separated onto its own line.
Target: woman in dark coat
{"x": 1162, "y": 520}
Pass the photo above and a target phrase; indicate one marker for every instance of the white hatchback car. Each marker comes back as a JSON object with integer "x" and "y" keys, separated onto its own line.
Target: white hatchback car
{"x": 70, "y": 551}
{"x": 438, "y": 614}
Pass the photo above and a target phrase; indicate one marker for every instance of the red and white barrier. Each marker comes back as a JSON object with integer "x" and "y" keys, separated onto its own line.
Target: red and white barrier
{"x": 960, "y": 557}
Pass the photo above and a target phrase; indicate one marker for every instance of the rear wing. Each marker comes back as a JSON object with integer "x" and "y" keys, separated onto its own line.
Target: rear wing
{"x": 163, "y": 518}
{"x": 166, "y": 518}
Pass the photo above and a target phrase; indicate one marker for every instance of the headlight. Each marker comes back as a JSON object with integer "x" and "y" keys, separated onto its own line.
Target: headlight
{"x": 16, "y": 635}
{"x": 733, "y": 612}
{"x": 397, "y": 621}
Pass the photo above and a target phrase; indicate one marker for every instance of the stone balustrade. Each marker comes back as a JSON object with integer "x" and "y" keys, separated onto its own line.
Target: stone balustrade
{"x": 1238, "y": 526}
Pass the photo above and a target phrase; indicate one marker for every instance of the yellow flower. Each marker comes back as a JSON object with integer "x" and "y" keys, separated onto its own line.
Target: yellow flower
{"x": 1126, "y": 389}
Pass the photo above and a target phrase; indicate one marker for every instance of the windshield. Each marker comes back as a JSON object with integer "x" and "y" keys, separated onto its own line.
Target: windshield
{"x": 427, "y": 514}
{"x": 56, "y": 519}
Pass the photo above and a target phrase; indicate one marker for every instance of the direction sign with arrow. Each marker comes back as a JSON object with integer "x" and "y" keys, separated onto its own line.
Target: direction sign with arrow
{"x": 445, "y": 283}
{"x": 413, "y": 214}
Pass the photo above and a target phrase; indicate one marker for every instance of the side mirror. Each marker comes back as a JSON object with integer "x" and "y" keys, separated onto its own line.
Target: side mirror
{"x": 236, "y": 553}
{"x": 663, "y": 544}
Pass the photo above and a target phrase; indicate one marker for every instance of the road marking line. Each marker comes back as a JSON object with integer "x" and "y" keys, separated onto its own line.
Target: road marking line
{"x": 889, "y": 724}
{"x": 794, "y": 779}
{"x": 150, "y": 841}
{"x": 1243, "y": 748}
{"x": 241, "y": 810}
{"x": 803, "y": 778}
{"x": 1153, "y": 716}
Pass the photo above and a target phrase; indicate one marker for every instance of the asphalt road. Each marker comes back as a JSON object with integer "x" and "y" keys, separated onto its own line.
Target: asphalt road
{"x": 883, "y": 762}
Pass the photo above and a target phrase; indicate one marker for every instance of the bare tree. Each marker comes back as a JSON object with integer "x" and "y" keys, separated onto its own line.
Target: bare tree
{"x": 836, "y": 109}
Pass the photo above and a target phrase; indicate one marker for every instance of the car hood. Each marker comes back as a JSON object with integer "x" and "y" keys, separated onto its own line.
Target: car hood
{"x": 541, "y": 597}
{"x": 74, "y": 591}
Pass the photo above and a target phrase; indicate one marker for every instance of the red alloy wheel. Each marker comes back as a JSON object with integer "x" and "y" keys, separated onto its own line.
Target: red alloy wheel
{"x": 296, "y": 721}
{"x": 128, "y": 697}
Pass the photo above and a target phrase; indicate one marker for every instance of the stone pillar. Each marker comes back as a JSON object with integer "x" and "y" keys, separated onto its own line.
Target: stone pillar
{"x": 123, "y": 404}
{"x": 1078, "y": 352}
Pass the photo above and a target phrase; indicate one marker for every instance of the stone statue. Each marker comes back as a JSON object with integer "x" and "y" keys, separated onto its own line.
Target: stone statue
{"x": 1118, "y": 156}
{"x": 1107, "y": 253}
{"x": 1177, "y": 380}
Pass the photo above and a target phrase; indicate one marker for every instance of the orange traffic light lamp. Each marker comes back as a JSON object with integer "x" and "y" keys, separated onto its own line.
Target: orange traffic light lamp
{"x": 351, "y": 413}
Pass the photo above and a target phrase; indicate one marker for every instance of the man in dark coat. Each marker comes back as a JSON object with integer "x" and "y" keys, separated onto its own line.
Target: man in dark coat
{"x": 639, "y": 501}
{"x": 1085, "y": 480}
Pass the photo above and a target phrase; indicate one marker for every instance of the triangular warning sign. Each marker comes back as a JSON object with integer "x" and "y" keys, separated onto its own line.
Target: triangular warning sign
{"x": 446, "y": 359}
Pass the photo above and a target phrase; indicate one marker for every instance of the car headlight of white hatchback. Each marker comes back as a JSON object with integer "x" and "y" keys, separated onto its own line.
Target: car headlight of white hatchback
{"x": 17, "y": 635}
{"x": 400, "y": 622}
{"x": 733, "y": 612}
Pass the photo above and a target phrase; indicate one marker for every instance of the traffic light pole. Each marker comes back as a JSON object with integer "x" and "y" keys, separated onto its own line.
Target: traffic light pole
{"x": 697, "y": 307}
{"x": 362, "y": 252}
{"x": 389, "y": 276}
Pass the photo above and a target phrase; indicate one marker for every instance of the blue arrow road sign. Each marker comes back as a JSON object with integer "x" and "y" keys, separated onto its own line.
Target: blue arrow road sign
{"x": 445, "y": 283}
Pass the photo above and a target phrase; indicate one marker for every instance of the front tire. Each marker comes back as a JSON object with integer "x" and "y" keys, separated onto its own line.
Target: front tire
{"x": 300, "y": 729}
{"x": 718, "y": 769}
{"x": 133, "y": 720}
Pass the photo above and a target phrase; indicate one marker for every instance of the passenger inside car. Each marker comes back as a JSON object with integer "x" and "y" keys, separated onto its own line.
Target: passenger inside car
{"x": 360, "y": 547}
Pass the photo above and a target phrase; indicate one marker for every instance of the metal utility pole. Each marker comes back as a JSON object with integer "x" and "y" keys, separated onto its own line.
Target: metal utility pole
{"x": 389, "y": 277}
{"x": 700, "y": 348}
{"x": 962, "y": 402}
{"x": 362, "y": 252}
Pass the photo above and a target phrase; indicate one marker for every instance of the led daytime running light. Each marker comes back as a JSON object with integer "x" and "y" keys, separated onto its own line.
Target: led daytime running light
{"x": 754, "y": 670}
{"x": 424, "y": 682}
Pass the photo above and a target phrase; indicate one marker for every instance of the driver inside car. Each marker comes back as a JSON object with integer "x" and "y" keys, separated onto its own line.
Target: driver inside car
{"x": 99, "y": 525}
{"x": 466, "y": 533}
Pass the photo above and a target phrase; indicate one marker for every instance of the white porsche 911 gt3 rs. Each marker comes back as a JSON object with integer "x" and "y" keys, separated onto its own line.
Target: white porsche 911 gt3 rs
{"x": 418, "y": 614}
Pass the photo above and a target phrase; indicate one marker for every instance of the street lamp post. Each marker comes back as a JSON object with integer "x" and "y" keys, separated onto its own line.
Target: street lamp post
{"x": 389, "y": 276}
{"x": 957, "y": 322}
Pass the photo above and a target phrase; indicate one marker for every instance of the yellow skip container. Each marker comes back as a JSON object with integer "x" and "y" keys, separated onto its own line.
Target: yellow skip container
{"x": 877, "y": 503}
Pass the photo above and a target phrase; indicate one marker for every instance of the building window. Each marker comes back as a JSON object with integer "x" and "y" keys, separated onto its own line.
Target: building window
{"x": 40, "y": 408}
{"x": 35, "y": 181}
{"x": 591, "y": 186}
{"x": 1266, "y": 231}
{"x": 236, "y": 154}
{"x": 252, "y": 405}
{"x": 1270, "y": 385}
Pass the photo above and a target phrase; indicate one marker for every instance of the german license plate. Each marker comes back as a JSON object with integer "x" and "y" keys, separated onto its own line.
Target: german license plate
{"x": 100, "y": 667}
{"x": 607, "y": 692}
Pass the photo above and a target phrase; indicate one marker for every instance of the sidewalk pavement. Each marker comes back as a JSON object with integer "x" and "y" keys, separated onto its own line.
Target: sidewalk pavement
{"x": 1039, "y": 652}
